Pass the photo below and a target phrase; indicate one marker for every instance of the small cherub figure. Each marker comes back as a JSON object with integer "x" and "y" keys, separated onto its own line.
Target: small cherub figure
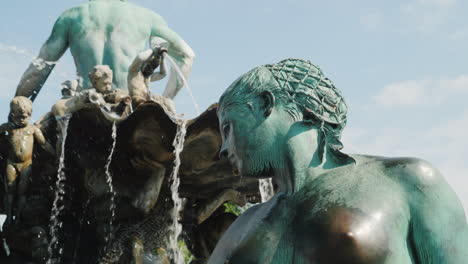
{"x": 71, "y": 100}
{"x": 141, "y": 73}
{"x": 69, "y": 88}
{"x": 117, "y": 100}
{"x": 114, "y": 103}
{"x": 101, "y": 78}
{"x": 21, "y": 137}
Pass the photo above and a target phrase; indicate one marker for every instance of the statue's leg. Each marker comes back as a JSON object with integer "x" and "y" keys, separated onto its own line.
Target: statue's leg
{"x": 11, "y": 173}
{"x": 22, "y": 188}
{"x": 137, "y": 100}
{"x": 11, "y": 184}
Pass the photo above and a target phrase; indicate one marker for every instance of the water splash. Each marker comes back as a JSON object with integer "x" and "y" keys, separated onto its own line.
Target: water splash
{"x": 57, "y": 206}
{"x": 109, "y": 182}
{"x": 174, "y": 250}
{"x": 6, "y": 247}
{"x": 181, "y": 75}
{"x": 131, "y": 106}
{"x": 266, "y": 189}
{"x": 5, "y": 244}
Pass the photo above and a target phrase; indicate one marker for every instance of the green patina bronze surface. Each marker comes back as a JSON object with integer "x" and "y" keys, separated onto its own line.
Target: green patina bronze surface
{"x": 105, "y": 32}
{"x": 285, "y": 120}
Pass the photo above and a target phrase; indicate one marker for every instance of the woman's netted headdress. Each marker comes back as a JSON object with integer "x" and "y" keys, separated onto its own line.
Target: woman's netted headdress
{"x": 301, "y": 87}
{"x": 306, "y": 85}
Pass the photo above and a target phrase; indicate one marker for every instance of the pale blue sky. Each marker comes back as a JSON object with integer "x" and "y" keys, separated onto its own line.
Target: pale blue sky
{"x": 402, "y": 65}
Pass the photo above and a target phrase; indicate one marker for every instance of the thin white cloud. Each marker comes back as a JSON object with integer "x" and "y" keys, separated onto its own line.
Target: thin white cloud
{"x": 458, "y": 84}
{"x": 443, "y": 3}
{"x": 371, "y": 19}
{"x": 15, "y": 50}
{"x": 427, "y": 15}
{"x": 443, "y": 144}
{"x": 459, "y": 34}
{"x": 421, "y": 92}
{"x": 403, "y": 93}
{"x": 11, "y": 67}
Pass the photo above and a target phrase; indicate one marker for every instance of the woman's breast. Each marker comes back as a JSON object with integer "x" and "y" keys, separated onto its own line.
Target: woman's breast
{"x": 342, "y": 235}
{"x": 335, "y": 235}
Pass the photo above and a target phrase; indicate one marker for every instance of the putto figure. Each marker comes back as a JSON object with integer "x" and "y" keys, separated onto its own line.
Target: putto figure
{"x": 105, "y": 32}
{"x": 101, "y": 78}
{"x": 114, "y": 103}
{"x": 141, "y": 73}
{"x": 69, "y": 88}
{"x": 70, "y": 102}
{"x": 21, "y": 137}
{"x": 285, "y": 120}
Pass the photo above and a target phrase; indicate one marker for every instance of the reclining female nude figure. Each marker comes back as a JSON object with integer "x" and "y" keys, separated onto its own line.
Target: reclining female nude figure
{"x": 285, "y": 120}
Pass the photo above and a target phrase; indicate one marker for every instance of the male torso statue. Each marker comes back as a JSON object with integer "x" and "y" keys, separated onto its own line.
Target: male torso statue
{"x": 105, "y": 32}
{"x": 285, "y": 120}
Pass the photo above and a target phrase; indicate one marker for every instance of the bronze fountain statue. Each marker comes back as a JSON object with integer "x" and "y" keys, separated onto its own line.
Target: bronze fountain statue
{"x": 285, "y": 120}
{"x": 104, "y": 195}
{"x": 115, "y": 61}
{"x": 20, "y": 137}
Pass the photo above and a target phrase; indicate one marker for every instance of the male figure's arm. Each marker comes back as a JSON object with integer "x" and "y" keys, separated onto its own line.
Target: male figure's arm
{"x": 438, "y": 227}
{"x": 179, "y": 50}
{"x": 35, "y": 76}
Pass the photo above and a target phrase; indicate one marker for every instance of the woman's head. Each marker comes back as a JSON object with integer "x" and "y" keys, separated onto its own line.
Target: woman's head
{"x": 267, "y": 101}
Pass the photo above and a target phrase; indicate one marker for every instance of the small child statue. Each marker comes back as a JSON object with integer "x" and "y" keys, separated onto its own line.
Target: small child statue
{"x": 114, "y": 103}
{"x": 101, "y": 78}
{"x": 21, "y": 137}
{"x": 70, "y": 101}
{"x": 69, "y": 88}
{"x": 141, "y": 73}
{"x": 117, "y": 100}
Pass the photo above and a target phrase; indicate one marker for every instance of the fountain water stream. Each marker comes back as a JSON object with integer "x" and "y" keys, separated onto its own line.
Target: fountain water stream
{"x": 5, "y": 244}
{"x": 57, "y": 206}
{"x": 266, "y": 189}
{"x": 181, "y": 75}
{"x": 174, "y": 251}
{"x": 109, "y": 182}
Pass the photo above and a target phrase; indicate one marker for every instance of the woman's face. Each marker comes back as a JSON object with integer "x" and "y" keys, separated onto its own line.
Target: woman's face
{"x": 253, "y": 141}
